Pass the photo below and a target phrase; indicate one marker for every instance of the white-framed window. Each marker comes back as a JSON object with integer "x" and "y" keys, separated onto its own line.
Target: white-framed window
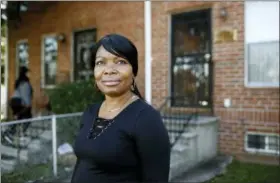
{"x": 49, "y": 61}
{"x": 261, "y": 44}
{"x": 22, "y": 55}
{"x": 256, "y": 142}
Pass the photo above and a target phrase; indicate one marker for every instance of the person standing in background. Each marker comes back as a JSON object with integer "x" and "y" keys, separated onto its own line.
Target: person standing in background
{"x": 20, "y": 103}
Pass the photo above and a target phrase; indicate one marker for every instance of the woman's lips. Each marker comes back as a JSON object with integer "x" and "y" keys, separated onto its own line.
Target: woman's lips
{"x": 111, "y": 82}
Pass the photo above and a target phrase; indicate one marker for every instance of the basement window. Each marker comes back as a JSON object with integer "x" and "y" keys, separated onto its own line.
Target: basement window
{"x": 262, "y": 143}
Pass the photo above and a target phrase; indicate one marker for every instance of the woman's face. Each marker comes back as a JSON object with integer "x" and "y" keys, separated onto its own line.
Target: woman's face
{"x": 113, "y": 74}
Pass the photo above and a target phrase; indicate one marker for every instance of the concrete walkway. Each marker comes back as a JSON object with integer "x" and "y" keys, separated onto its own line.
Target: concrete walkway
{"x": 205, "y": 171}
{"x": 202, "y": 173}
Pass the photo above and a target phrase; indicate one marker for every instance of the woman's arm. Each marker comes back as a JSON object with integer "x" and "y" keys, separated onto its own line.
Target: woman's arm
{"x": 153, "y": 146}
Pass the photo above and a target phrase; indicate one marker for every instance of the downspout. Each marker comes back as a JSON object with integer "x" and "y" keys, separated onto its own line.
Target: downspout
{"x": 6, "y": 69}
{"x": 148, "y": 51}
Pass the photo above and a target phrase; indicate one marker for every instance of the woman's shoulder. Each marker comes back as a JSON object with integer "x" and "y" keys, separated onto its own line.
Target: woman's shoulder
{"x": 91, "y": 107}
{"x": 147, "y": 110}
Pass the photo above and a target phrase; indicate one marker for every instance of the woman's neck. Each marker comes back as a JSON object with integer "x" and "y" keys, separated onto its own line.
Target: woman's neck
{"x": 115, "y": 102}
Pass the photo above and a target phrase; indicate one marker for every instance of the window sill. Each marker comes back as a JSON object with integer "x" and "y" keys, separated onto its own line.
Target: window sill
{"x": 48, "y": 87}
{"x": 261, "y": 85}
{"x": 261, "y": 151}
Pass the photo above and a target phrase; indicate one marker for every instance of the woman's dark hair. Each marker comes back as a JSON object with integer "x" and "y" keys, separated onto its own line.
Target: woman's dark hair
{"x": 122, "y": 47}
{"x": 22, "y": 76}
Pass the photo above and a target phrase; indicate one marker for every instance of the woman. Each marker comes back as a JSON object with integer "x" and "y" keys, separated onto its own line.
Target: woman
{"x": 121, "y": 139}
{"x": 20, "y": 102}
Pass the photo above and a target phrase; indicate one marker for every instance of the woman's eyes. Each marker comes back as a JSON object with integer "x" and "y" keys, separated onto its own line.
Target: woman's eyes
{"x": 121, "y": 62}
{"x": 118, "y": 62}
{"x": 98, "y": 62}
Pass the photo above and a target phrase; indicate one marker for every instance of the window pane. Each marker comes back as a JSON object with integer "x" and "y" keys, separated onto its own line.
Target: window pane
{"x": 261, "y": 21}
{"x": 262, "y": 41}
{"x": 191, "y": 81}
{"x": 22, "y": 54}
{"x": 263, "y": 60}
{"x": 273, "y": 143}
{"x": 256, "y": 141}
{"x": 191, "y": 37}
{"x": 50, "y": 60}
{"x": 83, "y": 41}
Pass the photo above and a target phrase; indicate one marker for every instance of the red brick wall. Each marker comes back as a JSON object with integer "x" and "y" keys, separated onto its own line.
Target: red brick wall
{"x": 65, "y": 17}
{"x": 252, "y": 109}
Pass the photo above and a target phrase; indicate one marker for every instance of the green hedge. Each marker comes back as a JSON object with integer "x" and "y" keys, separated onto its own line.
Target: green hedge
{"x": 71, "y": 98}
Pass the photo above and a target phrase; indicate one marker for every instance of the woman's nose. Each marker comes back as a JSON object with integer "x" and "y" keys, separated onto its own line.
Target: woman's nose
{"x": 110, "y": 69}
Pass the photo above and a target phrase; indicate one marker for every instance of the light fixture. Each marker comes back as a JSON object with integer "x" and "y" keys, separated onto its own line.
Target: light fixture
{"x": 23, "y": 7}
{"x": 223, "y": 13}
{"x": 4, "y": 16}
{"x": 61, "y": 37}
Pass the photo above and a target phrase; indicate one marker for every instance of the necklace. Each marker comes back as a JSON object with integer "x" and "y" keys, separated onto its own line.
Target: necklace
{"x": 116, "y": 109}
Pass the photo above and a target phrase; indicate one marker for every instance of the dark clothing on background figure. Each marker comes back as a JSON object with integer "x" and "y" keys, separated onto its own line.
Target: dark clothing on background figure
{"x": 21, "y": 98}
{"x": 21, "y": 113}
{"x": 133, "y": 147}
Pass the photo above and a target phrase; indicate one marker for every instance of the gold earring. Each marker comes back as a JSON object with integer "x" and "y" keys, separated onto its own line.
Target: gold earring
{"x": 133, "y": 86}
{"x": 95, "y": 86}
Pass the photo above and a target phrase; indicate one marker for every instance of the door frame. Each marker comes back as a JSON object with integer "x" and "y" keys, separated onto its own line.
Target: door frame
{"x": 189, "y": 15}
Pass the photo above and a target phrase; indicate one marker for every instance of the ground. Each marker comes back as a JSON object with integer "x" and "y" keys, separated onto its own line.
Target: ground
{"x": 237, "y": 172}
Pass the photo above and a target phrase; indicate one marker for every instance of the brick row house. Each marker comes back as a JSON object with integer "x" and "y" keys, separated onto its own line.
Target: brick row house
{"x": 224, "y": 53}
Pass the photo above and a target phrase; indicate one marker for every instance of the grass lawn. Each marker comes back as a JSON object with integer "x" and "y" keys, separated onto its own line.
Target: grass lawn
{"x": 42, "y": 172}
{"x": 28, "y": 173}
{"x": 239, "y": 172}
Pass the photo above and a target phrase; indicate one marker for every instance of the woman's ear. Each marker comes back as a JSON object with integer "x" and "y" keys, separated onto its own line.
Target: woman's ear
{"x": 133, "y": 84}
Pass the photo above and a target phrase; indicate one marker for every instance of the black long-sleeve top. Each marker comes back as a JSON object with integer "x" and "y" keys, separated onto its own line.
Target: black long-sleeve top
{"x": 133, "y": 148}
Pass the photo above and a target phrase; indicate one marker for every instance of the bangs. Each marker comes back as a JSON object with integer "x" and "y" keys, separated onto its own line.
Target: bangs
{"x": 119, "y": 46}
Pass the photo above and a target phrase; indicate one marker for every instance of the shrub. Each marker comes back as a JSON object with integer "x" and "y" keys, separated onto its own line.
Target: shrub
{"x": 71, "y": 98}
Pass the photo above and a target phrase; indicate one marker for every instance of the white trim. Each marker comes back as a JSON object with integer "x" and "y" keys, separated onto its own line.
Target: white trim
{"x": 16, "y": 61}
{"x": 43, "y": 85}
{"x": 169, "y": 81}
{"x": 148, "y": 51}
{"x": 264, "y": 151}
{"x": 6, "y": 70}
{"x": 246, "y": 77}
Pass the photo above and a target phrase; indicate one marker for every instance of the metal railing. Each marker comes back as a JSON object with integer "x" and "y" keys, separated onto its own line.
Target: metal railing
{"x": 40, "y": 152}
{"x": 51, "y": 133}
{"x": 176, "y": 119}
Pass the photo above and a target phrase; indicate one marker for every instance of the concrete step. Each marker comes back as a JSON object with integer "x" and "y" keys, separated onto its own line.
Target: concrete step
{"x": 14, "y": 152}
{"x": 183, "y": 154}
{"x": 46, "y": 135}
{"x": 27, "y": 146}
{"x": 205, "y": 171}
{"x": 8, "y": 165}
